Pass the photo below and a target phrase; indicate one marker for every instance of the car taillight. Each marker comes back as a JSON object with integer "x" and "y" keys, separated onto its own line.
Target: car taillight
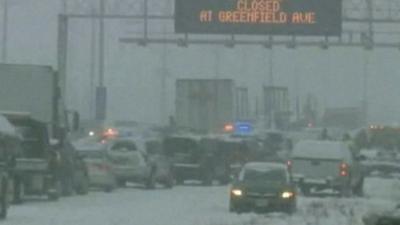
{"x": 102, "y": 167}
{"x": 105, "y": 167}
{"x": 344, "y": 169}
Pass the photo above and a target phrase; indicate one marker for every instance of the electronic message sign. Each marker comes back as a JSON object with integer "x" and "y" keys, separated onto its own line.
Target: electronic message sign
{"x": 273, "y": 17}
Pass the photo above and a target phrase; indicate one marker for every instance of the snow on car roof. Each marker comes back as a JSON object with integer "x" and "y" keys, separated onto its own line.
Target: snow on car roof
{"x": 6, "y": 127}
{"x": 264, "y": 166}
{"x": 369, "y": 153}
{"x": 88, "y": 146}
{"x": 320, "y": 149}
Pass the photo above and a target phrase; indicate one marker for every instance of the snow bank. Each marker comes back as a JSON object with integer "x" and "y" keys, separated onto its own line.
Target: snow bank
{"x": 194, "y": 205}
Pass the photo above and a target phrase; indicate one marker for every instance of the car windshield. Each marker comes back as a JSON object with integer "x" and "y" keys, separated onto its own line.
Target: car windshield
{"x": 180, "y": 146}
{"x": 268, "y": 176}
{"x": 33, "y": 141}
{"x": 91, "y": 154}
{"x": 28, "y": 133}
{"x": 123, "y": 146}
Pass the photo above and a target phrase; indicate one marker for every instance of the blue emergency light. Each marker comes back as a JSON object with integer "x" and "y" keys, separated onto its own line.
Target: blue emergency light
{"x": 243, "y": 128}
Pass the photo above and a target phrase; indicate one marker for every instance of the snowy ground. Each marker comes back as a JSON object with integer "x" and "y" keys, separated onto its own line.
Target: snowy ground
{"x": 196, "y": 205}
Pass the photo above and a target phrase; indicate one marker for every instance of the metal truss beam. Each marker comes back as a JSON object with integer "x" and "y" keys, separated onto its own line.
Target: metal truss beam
{"x": 182, "y": 42}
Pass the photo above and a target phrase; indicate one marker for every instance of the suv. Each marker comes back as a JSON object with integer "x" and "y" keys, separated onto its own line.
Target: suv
{"x": 190, "y": 161}
{"x": 131, "y": 163}
{"x": 263, "y": 186}
{"x": 228, "y": 156}
{"x": 326, "y": 165}
{"x": 37, "y": 167}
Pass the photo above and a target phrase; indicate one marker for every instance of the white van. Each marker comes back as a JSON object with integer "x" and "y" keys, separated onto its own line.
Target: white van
{"x": 323, "y": 165}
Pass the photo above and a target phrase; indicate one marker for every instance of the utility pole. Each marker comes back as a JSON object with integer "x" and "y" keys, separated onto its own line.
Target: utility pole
{"x": 101, "y": 44}
{"x": 217, "y": 62}
{"x": 216, "y": 83}
{"x": 164, "y": 74}
{"x": 64, "y": 7}
{"x": 5, "y": 31}
{"x": 365, "y": 87}
{"x": 92, "y": 64}
{"x": 101, "y": 91}
{"x": 271, "y": 67}
{"x": 370, "y": 18}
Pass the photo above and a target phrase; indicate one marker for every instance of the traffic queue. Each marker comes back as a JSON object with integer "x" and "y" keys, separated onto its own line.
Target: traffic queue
{"x": 263, "y": 171}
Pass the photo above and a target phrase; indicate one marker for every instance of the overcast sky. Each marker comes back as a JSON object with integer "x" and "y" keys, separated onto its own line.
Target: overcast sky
{"x": 133, "y": 73}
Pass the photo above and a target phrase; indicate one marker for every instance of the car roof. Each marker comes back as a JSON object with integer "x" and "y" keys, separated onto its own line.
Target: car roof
{"x": 6, "y": 127}
{"x": 117, "y": 140}
{"x": 320, "y": 149}
{"x": 264, "y": 166}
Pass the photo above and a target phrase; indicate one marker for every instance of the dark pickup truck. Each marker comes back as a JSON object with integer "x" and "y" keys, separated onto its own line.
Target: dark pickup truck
{"x": 42, "y": 168}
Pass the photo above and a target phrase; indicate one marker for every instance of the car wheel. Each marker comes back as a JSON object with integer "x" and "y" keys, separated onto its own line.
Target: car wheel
{"x": 233, "y": 208}
{"x": 359, "y": 188}
{"x": 346, "y": 191}
{"x": 305, "y": 190}
{"x": 3, "y": 199}
{"x": 121, "y": 183}
{"x": 108, "y": 189}
{"x": 207, "y": 179}
{"x": 290, "y": 209}
{"x": 54, "y": 195}
{"x": 67, "y": 186}
{"x": 151, "y": 181}
{"x": 169, "y": 182}
{"x": 224, "y": 180}
{"x": 179, "y": 180}
{"x": 18, "y": 193}
{"x": 83, "y": 187}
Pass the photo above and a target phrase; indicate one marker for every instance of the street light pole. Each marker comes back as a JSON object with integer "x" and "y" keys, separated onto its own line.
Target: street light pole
{"x": 271, "y": 67}
{"x": 64, "y": 6}
{"x": 365, "y": 88}
{"x": 101, "y": 91}
{"x": 101, "y": 44}
{"x": 5, "y": 32}
{"x": 92, "y": 64}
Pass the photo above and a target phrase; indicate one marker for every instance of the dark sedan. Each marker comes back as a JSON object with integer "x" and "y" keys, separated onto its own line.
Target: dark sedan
{"x": 263, "y": 187}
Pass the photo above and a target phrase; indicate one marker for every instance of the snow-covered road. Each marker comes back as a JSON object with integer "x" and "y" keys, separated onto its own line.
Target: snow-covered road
{"x": 194, "y": 205}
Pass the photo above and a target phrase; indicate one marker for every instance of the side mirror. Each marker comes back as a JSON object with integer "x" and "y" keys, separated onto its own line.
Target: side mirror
{"x": 361, "y": 158}
{"x": 80, "y": 157}
{"x": 234, "y": 177}
{"x": 54, "y": 142}
{"x": 146, "y": 156}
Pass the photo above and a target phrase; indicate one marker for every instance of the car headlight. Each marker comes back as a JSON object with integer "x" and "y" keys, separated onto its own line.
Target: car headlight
{"x": 287, "y": 194}
{"x": 237, "y": 192}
